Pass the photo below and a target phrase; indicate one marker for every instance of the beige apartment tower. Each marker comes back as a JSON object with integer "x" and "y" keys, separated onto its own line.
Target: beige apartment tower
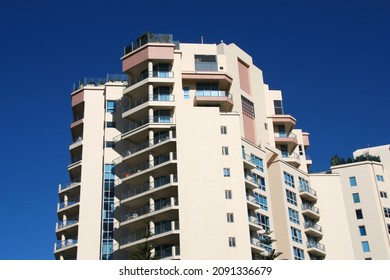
{"x": 192, "y": 154}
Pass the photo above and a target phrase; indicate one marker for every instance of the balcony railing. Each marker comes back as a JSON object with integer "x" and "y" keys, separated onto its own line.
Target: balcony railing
{"x": 100, "y": 81}
{"x": 285, "y": 135}
{"x": 149, "y": 164}
{"x": 313, "y": 226}
{"x": 214, "y": 93}
{"x": 72, "y": 183}
{"x": 253, "y": 220}
{"x": 291, "y": 156}
{"x": 76, "y": 140}
{"x": 173, "y": 251}
{"x": 308, "y": 190}
{"x": 150, "y": 186}
{"x": 67, "y": 223}
{"x": 152, "y": 97}
{"x": 314, "y": 244}
{"x": 149, "y": 38}
{"x": 64, "y": 243}
{"x": 150, "y": 208}
{"x": 156, "y": 119}
{"x": 248, "y": 158}
{"x": 74, "y": 160}
{"x": 159, "y": 229}
{"x": 258, "y": 243}
{"x": 306, "y": 206}
{"x": 69, "y": 202}
{"x": 150, "y": 74}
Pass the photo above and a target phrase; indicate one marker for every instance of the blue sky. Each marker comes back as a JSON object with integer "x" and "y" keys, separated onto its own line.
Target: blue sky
{"x": 331, "y": 59}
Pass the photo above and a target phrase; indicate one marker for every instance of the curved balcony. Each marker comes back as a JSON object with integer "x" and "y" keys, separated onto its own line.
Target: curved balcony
{"x": 158, "y": 210}
{"x": 292, "y": 159}
{"x": 316, "y": 248}
{"x": 286, "y": 139}
{"x": 65, "y": 244}
{"x": 171, "y": 253}
{"x": 158, "y": 78}
{"x": 161, "y": 101}
{"x": 68, "y": 227}
{"x": 221, "y": 99}
{"x": 155, "y": 122}
{"x": 68, "y": 186}
{"x": 308, "y": 193}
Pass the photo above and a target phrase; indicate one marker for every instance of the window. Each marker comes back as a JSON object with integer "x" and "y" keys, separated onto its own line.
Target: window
{"x": 110, "y": 144}
{"x": 352, "y": 181}
{"x": 232, "y": 242}
{"x": 356, "y": 198}
{"x": 262, "y": 201}
{"x": 226, "y": 172}
{"x": 111, "y": 106}
{"x": 186, "y": 92}
{"x": 291, "y": 197}
{"x": 208, "y": 89}
{"x": 260, "y": 181}
{"x": 258, "y": 162}
{"x": 383, "y": 194}
{"x": 247, "y": 107}
{"x": 296, "y": 235}
{"x": 223, "y": 129}
{"x": 230, "y": 217}
{"x": 266, "y": 126}
{"x": 289, "y": 179}
{"x": 161, "y": 70}
{"x": 362, "y": 231}
{"x": 388, "y": 228}
{"x": 278, "y": 106}
{"x": 300, "y": 150}
{"x": 206, "y": 63}
{"x": 293, "y": 215}
{"x": 303, "y": 184}
{"x": 263, "y": 221}
{"x": 228, "y": 194}
{"x": 387, "y": 212}
{"x": 380, "y": 178}
{"x": 365, "y": 246}
{"x": 359, "y": 214}
{"x": 225, "y": 151}
{"x": 298, "y": 254}
{"x": 110, "y": 124}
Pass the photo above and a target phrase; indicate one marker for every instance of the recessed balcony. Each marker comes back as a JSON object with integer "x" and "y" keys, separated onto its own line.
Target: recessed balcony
{"x": 221, "y": 99}
{"x": 65, "y": 245}
{"x": 155, "y": 122}
{"x": 159, "y": 209}
{"x": 307, "y": 193}
{"x": 75, "y": 162}
{"x": 76, "y": 142}
{"x": 249, "y": 162}
{"x": 293, "y": 159}
{"x": 286, "y": 139}
{"x": 257, "y": 246}
{"x": 316, "y": 248}
{"x": 254, "y": 223}
{"x": 69, "y": 185}
{"x": 171, "y": 253}
{"x": 310, "y": 211}
{"x": 161, "y": 101}
{"x": 313, "y": 229}
{"x": 287, "y": 120}
{"x": 158, "y": 78}
{"x": 252, "y": 203}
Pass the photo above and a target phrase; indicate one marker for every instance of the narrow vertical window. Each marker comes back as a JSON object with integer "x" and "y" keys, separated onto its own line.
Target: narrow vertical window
{"x": 365, "y": 246}
{"x": 111, "y": 106}
{"x": 232, "y": 242}
{"x": 352, "y": 181}
{"x": 186, "y": 92}
{"x": 356, "y": 198}
{"x": 225, "y": 150}
{"x": 359, "y": 214}
{"x": 223, "y": 130}
{"x": 228, "y": 194}
{"x": 230, "y": 217}
{"x": 226, "y": 172}
{"x": 362, "y": 231}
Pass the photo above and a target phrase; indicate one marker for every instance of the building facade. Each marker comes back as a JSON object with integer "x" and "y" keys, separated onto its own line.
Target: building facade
{"x": 191, "y": 156}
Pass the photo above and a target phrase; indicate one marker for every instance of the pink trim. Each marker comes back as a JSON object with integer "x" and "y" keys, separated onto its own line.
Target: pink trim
{"x": 249, "y": 129}
{"x": 243, "y": 71}
{"x": 77, "y": 98}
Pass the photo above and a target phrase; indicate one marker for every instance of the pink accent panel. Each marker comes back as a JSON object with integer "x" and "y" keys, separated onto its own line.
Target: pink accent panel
{"x": 306, "y": 141}
{"x": 77, "y": 98}
{"x": 150, "y": 52}
{"x": 243, "y": 72}
{"x": 249, "y": 129}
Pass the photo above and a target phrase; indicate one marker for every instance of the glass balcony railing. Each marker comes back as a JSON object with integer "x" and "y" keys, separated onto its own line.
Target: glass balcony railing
{"x": 159, "y": 229}
{"x": 313, "y": 226}
{"x": 214, "y": 93}
{"x": 67, "y": 223}
{"x": 65, "y": 243}
{"x": 306, "y": 206}
{"x": 248, "y": 158}
{"x": 285, "y": 135}
{"x": 68, "y": 203}
{"x": 150, "y": 208}
{"x": 308, "y": 190}
{"x": 314, "y": 244}
{"x": 72, "y": 183}
{"x": 253, "y": 220}
{"x": 156, "y": 119}
{"x": 162, "y": 181}
{"x": 153, "y": 97}
{"x": 149, "y": 38}
{"x": 150, "y": 74}
{"x": 149, "y": 164}
{"x": 290, "y": 156}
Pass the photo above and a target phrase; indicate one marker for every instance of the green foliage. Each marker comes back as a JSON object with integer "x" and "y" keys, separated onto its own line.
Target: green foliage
{"x": 146, "y": 248}
{"x": 267, "y": 241}
{"x": 336, "y": 160}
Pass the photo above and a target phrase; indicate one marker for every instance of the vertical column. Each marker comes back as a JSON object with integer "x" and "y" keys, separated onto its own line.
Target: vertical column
{"x": 150, "y": 69}
{"x": 150, "y": 92}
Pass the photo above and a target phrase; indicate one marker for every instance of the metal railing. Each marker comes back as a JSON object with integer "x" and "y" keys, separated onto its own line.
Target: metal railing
{"x": 152, "y": 97}
{"x": 69, "y": 184}
{"x": 214, "y": 93}
{"x": 156, "y": 119}
{"x": 165, "y": 203}
{"x": 285, "y": 135}
{"x": 149, "y": 186}
{"x": 306, "y": 206}
{"x": 148, "y": 38}
{"x": 253, "y": 220}
{"x": 157, "y": 230}
{"x": 292, "y": 156}
{"x": 248, "y": 158}
{"x": 100, "y": 81}
{"x": 308, "y": 190}
{"x": 312, "y": 225}
{"x": 76, "y": 140}
{"x": 314, "y": 244}
{"x": 150, "y": 74}
{"x": 65, "y": 243}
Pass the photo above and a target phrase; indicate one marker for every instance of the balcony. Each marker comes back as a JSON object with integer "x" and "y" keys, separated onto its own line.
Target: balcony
{"x": 76, "y": 142}
{"x": 151, "y": 234}
{"x": 258, "y": 246}
{"x": 158, "y": 78}
{"x": 249, "y": 162}
{"x": 65, "y": 244}
{"x": 254, "y": 223}
{"x": 172, "y": 253}
{"x": 221, "y": 99}
{"x": 310, "y": 211}
{"x": 313, "y": 229}
{"x": 75, "y": 162}
{"x": 69, "y": 185}
{"x": 67, "y": 228}
{"x": 308, "y": 193}
{"x": 315, "y": 248}
{"x": 77, "y": 119}
{"x": 292, "y": 159}
{"x": 69, "y": 205}
{"x": 153, "y": 164}
{"x": 290, "y": 139}
{"x": 287, "y": 120}
{"x": 166, "y": 101}
{"x": 156, "y": 121}
{"x": 252, "y": 203}
{"x": 159, "y": 183}
{"x": 149, "y": 210}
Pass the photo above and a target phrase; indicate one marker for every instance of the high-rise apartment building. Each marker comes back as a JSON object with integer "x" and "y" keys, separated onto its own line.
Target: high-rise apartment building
{"x": 192, "y": 156}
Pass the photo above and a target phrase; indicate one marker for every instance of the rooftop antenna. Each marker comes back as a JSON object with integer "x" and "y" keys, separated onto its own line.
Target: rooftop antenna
{"x": 201, "y": 39}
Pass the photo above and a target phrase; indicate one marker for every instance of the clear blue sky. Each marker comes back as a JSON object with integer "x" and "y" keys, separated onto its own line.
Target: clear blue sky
{"x": 331, "y": 59}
